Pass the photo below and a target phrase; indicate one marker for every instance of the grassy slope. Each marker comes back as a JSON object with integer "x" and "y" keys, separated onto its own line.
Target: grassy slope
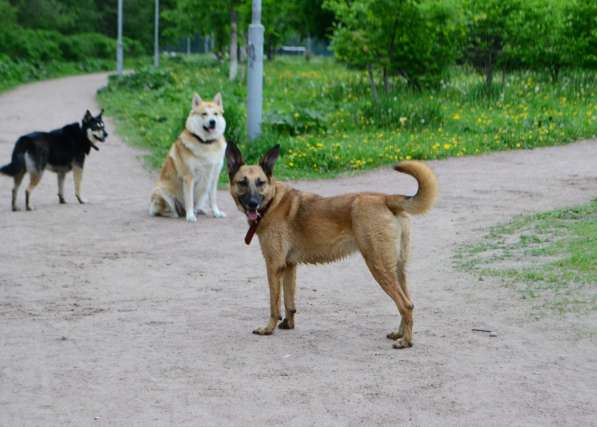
{"x": 323, "y": 116}
{"x": 551, "y": 258}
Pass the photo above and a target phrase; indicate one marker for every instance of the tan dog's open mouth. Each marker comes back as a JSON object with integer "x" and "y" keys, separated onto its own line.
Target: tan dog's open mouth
{"x": 252, "y": 215}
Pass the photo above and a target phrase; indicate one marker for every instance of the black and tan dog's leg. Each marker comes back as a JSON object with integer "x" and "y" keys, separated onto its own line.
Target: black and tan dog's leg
{"x": 15, "y": 190}
{"x": 289, "y": 291}
{"x": 34, "y": 180}
{"x": 274, "y": 279}
{"x": 61, "y": 176}
{"x": 78, "y": 176}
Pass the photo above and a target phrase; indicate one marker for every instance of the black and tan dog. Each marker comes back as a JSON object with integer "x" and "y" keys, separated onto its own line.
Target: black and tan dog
{"x": 60, "y": 150}
{"x": 295, "y": 227}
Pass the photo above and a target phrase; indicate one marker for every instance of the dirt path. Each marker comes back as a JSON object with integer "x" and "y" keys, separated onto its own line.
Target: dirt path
{"x": 109, "y": 317}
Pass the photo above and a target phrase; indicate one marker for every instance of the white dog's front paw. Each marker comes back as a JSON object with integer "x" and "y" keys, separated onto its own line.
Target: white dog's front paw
{"x": 191, "y": 217}
{"x": 218, "y": 213}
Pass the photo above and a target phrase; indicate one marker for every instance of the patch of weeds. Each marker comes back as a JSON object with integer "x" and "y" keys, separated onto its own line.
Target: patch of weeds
{"x": 550, "y": 258}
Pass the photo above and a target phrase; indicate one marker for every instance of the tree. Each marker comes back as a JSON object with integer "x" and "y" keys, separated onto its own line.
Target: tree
{"x": 311, "y": 19}
{"x": 581, "y": 28}
{"x": 8, "y": 15}
{"x": 218, "y": 18}
{"x": 537, "y": 38}
{"x": 417, "y": 41}
{"x": 489, "y": 26}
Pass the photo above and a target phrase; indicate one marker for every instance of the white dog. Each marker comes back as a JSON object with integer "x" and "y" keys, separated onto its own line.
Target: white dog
{"x": 189, "y": 175}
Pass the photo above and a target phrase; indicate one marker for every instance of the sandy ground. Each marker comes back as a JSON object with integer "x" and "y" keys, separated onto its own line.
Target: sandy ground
{"x": 110, "y": 317}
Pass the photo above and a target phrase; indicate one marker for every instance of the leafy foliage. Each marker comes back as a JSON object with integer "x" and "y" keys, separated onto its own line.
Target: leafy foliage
{"x": 326, "y": 124}
{"x": 417, "y": 41}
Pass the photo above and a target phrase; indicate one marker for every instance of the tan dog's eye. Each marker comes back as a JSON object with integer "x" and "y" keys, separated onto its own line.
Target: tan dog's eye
{"x": 244, "y": 183}
{"x": 204, "y": 114}
{"x": 260, "y": 183}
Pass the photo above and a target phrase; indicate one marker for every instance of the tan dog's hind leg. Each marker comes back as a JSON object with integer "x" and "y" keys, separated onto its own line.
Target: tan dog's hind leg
{"x": 376, "y": 242}
{"x": 401, "y": 267}
{"x": 274, "y": 279}
{"x": 289, "y": 291}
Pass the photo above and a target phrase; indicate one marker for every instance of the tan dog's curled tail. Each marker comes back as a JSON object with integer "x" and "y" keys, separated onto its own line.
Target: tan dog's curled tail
{"x": 426, "y": 194}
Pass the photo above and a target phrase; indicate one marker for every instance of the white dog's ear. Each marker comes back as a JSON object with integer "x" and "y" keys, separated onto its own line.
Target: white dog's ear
{"x": 196, "y": 100}
{"x": 218, "y": 100}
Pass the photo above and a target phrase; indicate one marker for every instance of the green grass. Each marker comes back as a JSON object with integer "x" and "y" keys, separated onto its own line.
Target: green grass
{"x": 550, "y": 258}
{"x": 323, "y": 116}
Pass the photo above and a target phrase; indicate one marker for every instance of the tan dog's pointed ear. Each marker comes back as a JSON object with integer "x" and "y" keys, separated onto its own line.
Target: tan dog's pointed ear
{"x": 196, "y": 100}
{"x": 234, "y": 159}
{"x": 269, "y": 160}
{"x": 218, "y": 100}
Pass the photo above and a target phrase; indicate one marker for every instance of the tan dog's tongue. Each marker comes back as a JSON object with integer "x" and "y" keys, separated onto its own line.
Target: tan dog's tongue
{"x": 252, "y": 215}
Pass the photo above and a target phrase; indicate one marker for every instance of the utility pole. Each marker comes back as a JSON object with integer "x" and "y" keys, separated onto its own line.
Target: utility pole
{"x": 255, "y": 72}
{"x": 156, "y": 36}
{"x": 119, "y": 54}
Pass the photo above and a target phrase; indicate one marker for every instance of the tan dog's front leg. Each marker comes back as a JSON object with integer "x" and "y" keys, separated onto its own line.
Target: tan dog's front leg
{"x": 289, "y": 290}
{"x": 274, "y": 279}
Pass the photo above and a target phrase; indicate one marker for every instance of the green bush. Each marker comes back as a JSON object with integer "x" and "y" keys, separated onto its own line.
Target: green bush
{"x": 146, "y": 78}
{"x": 31, "y": 45}
{"x": 87, "y": 45}
{"x": 302, "y": 120}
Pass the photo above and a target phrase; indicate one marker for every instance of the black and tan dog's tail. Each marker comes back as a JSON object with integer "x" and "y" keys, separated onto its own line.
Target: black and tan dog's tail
{"x": 10, "y": 169}
{"x": 17, "y": 164}
{"x": 426, "y": 194}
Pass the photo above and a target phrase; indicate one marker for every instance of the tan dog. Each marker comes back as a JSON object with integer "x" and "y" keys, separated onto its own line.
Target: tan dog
{"x": 190, "y": 172}
{"x": 295, "y": 227}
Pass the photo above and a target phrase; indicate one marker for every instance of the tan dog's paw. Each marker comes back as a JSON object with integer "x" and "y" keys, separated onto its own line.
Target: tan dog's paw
{"x": 262, "y": 331}
{"x": 394, "y": 335}
{"x": 402, "y": 343}
{"x": 286, "y": 324}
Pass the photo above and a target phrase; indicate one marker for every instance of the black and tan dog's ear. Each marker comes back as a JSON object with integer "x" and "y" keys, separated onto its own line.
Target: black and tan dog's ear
{"x": 269, "y": 160}
{"x": 87, "y": 116}
{"x": 101, "y": 113}
{"x": 234, "y": 159}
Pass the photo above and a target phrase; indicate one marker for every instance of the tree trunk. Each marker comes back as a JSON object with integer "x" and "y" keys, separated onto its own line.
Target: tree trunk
{"x": 233, "y": 45}
{"x": 372, "y": 83}
{"x": 386, "y": 81}
{"x": 555, "y": 72}
{"x": 488, "y": 75}
{"x": 308, "y": 52}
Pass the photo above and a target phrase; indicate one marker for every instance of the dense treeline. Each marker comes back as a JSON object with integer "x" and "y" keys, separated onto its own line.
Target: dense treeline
{"x": 419, "y": 40}
{"x": 416, "y": 41}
